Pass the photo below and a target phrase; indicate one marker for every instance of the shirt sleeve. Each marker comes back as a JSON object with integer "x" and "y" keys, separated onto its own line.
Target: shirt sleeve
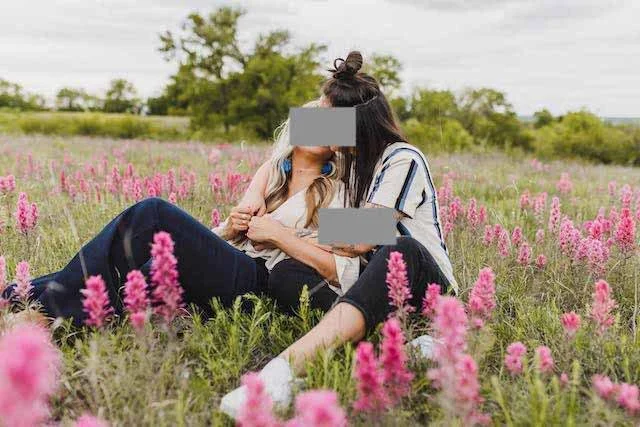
{"x": 348, "y": 270}
{"x": 400, "y": 184}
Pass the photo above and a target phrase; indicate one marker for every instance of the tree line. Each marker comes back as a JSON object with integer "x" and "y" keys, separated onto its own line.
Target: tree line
{"x": 229, "y": 91}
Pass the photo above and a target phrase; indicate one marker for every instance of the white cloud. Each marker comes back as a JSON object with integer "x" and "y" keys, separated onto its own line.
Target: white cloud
{"x": 563, "y": 54}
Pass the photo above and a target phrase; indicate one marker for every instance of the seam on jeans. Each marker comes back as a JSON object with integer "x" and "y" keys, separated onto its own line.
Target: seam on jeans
{"x": 368, "y": 321}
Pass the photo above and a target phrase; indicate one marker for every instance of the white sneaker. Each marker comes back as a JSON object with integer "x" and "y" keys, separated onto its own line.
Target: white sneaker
{"x": 277, "y": 377}
{"x": 424, "y": 345}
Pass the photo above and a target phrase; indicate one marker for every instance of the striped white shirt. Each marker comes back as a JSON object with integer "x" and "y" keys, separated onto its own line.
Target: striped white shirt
{"x": 402, "y": 181}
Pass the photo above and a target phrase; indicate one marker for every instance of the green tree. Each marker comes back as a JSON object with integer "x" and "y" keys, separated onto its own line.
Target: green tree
{"x": 386, "y": 70}
{"x": 433, "y": 105}
{"x": 490, "y": 119}
{"x": 542, "y": 118}
{"x": 12, "y": 96}
{"x": 121, "y": 97}
{"x": 73, "y": 99}
{"x": 224, "y": 86}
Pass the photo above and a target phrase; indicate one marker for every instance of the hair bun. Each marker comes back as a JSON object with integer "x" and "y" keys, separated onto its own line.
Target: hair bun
{"x": 347, "y": 68}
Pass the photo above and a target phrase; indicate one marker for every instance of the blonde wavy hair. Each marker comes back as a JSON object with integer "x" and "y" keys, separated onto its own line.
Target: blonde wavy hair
{"x": 321, "y": 191}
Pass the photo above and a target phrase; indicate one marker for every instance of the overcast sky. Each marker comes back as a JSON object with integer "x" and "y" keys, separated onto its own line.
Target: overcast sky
{"x": 562, "y": 54}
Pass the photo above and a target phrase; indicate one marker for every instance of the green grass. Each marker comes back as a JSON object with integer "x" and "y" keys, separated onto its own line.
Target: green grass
{"x": 177, "y": 376}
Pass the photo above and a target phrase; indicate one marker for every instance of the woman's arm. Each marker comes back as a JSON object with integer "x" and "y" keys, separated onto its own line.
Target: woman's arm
{"x": 266, "y": 229}
{"x": 253, "y": 198}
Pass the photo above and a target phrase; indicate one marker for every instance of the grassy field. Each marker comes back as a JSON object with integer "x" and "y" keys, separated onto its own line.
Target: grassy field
{"x": 176, "y": 376}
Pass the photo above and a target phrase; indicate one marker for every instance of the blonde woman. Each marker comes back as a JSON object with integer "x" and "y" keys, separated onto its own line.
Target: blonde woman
{"x": 246, "y": 254}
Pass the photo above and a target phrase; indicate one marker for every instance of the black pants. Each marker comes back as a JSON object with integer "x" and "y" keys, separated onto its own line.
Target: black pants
{"x": 370, "y": 293}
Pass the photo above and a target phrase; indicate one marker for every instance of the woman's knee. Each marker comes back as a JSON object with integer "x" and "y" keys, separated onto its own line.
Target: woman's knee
{"x": 285, "y": 283}
{"x": 404, "y": 244}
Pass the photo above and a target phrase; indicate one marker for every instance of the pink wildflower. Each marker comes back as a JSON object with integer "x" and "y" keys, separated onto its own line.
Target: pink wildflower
{"x": 612, "y": 188}
{"x": 456, "y": 373}
{"x": 513, "y": 360}
{"x": 544, "y": 360}
{"x": 96, "y": 301}
{"x": 398, "y": 283}
{"x": 215, "y": 218}
{"x": 516, "y": 236}
{"x": 626, "y": 196}
{"x": 541, "y": 261}
{"x": 571, "y": 323}
{"x": 524, "y": 254}
{"x": 173, "y": 198}
{"x": 503, "y": 243}
{"x": 524, "y": 200}
{"x": 136, "y": 300}
{"x": 482, "y": 299}
{"x": 430, "y": 300}
{"x": 23, "y": 280}
{"x": 468, "y": 397}
{"x": 472, "y": 213}
{"x": 488, "y": 235}
{"x": 26, "y": 214}
{"x": 564, "y": 185}
{"x": 396, "y": 377}
{"x": 602, "y": 306}
{"x": 625, "y": 236}
{"x": 604, "y": 387}
{"x": 371, "y": 393}
{"x": 88, "y": 420}
{"x": 167, "y": 293}
{"x": 628, "y": 398}
{"x": 318, "y": 408}
{"x": 7, "y": 184}
{"x": 29, "y": 367}
{"x": 540, "y": 236}
{"x": 554, "y": 215}
{"x": 257, "y": 410}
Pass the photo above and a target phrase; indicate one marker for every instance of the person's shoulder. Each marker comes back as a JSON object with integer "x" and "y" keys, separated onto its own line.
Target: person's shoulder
{"x": 401, "y": 150}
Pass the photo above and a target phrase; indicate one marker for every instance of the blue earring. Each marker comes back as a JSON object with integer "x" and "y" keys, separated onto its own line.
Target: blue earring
{"x": 286, "y": 165}
{"x": 326, "y": 169}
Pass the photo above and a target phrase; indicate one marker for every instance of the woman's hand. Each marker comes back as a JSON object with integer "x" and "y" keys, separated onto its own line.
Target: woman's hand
{"x": 264, "y": 229}
{"x": 238, "y": 220}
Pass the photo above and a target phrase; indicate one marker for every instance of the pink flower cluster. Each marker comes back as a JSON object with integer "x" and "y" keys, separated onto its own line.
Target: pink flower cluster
{"x": 456, "y": 375}
{"x": 430, "y": 300}
{"x": 398, "y": 284}
{"x": 571, "y": 323}
{"x": 382, "y": 383}
{"x": 136, "y": 300}
{"x": 315, "y": 408}
{"x": 96, "y": 301}
{"x": 7, "y": 184}
{"x": 624, "y": 394}
{"x": 482, "y": 299}
{"x": 514, "y": 358}
{"x": 602, "y": 306}
{"x": 167, "y": 293}
{"x": 29, "y": 369}
{"x": 26, "y": 214}
{"x": 23, "y": 280}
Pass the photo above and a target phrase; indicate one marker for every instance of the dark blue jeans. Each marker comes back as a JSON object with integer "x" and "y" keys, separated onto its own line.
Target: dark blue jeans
{"x": 208, "y": 266}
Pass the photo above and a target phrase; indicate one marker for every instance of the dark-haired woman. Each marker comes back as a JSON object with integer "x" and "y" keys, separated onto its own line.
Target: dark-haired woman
{"x": 387, "y": 172}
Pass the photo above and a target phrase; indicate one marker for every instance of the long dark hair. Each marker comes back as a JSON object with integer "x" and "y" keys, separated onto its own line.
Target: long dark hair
{"x": 376, "y": 126}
